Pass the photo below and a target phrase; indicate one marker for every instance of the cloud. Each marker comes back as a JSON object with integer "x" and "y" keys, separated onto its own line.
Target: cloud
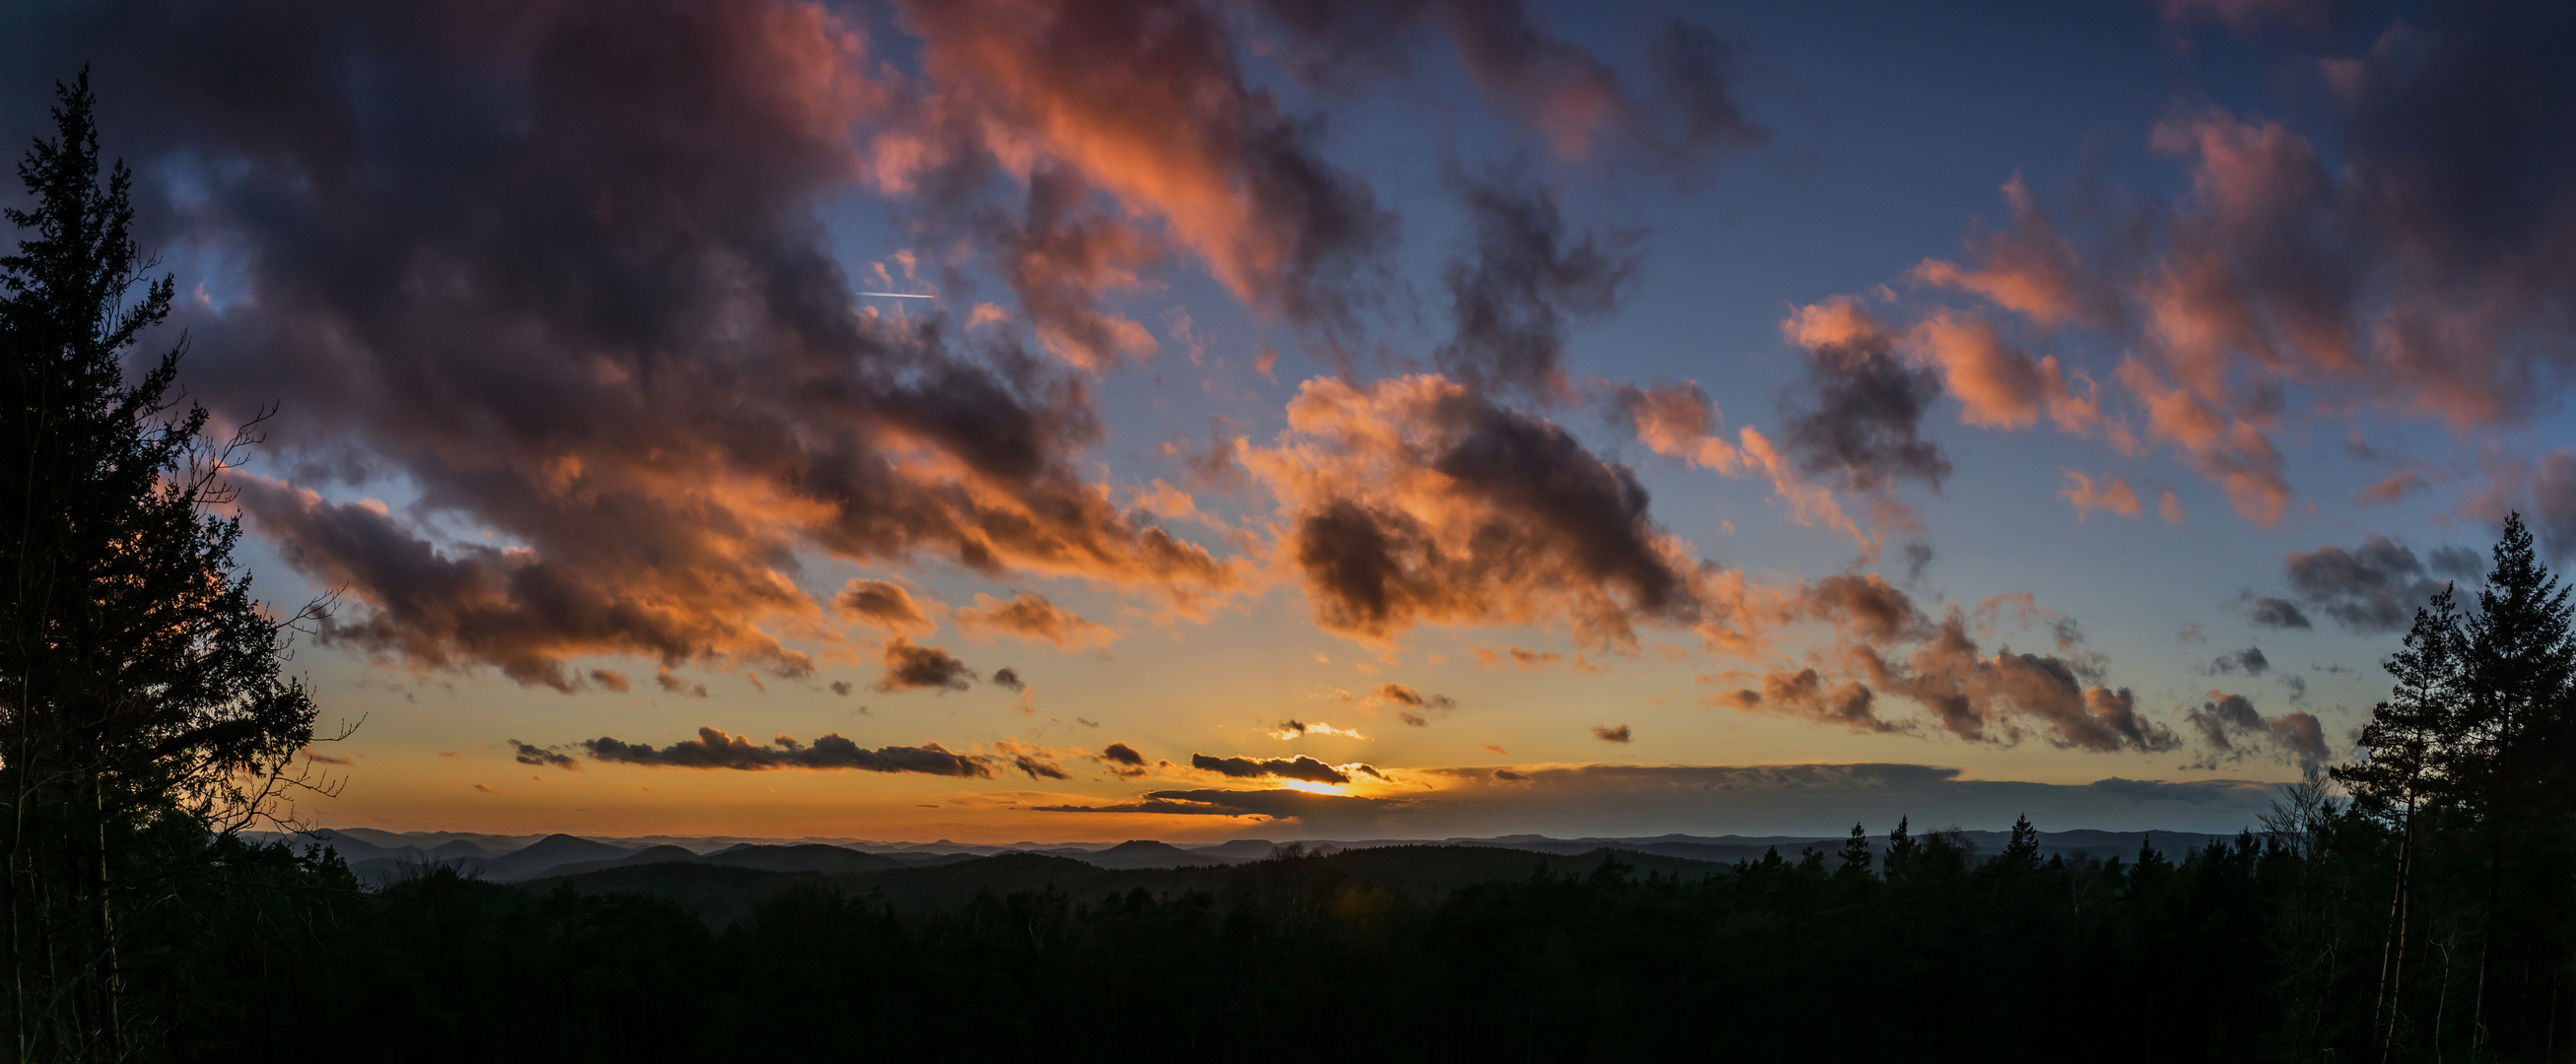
{"x": 1408, "y": 697}
{"x": 1296, "y": 729}
{"x": 1857, "y": 418}
{"x": 1806, "y": 695}
{"x": 2113, "y": 495}
{"x": 1036, "y": 762}
{"x": 1416, "y": 500}
{"x": 2278, "y": 613}
{"x": 326, "y": 759}
{"x": 713, "y": 749}
{"x": 914, "y": 668}
{"x": 2375, "y": 587}
{"x": 1686, "y": 116}
{"x": 2543, "y": 490}
{"x": 1998, "y": 385}
{"x": 1031, "y": 617}
{"x": 1122, "y": 754}
{"x": 1514, "y": 288}
{"x": 1062, "y": 257}
{"x": 1009, "y": 679}
{"x": 1146, "y": 103}
{"x": 841, "y": 687}
{"x": 2249, "y": 661}
{"x": 884, "y": 605}
{"x": 611, "y": 679}
{"x": 1316, "y": 811}
{"x": 542, "y": 757}
{"x": 1993, "y": 698}
{"x": 1300, "y": 767}
{"x": 1608, "y": 734}
{"x": 2409, "y": 256}
{"x": 1522, "y": 658}
{"x": 2227, "y": 721}
{"x": 600, "y": 323}
{"x": 1819, "y": 800}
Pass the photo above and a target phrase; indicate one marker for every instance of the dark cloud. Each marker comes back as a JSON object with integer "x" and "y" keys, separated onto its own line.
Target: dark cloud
{"x": 2277, "y": 613}
{"x": 2376, "y": 587}
{"x": 1412, "y": 719}
{"x": 541, "y": 757}
{"x": 1686, "y": 116}
{"x": 713, "y": 749}
{"x": 1805, "y": 694}
{"x": 563, "y": 275}
{"x": 841, "y": 687}
{"x": 2227, "y": 722}
{"x": 1608, "y": 734}
{"x": 611, "y": 679}
{"x": 1300, "y": 767}
{"x": 1122, "y": 754}
{"x": 1857, "y": 418}
{"x": 912, "y": 668}
{"x": 1918, "y": 559}
{"x": 882, "y": 604}
{"x": 2553, "y": 520}
{"x": 1410, "y": 698}
{"x": 1520, "y": 522}
{"x": 1037, "y": 762}
{"x": 1992, "y": 698}
{"x": 2249, "y": 661}
{"x": 1010, "y": 679}
{"x": 1821, "y": 800}
{"x": 1522, "y": 278}
{"x": 1317, "y": 811}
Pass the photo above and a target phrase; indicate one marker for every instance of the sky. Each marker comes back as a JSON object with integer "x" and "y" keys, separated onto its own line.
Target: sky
{"x": 1350, "y": 420}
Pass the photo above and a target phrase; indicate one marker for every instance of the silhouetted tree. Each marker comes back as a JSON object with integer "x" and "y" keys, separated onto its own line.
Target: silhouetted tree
{"x": 2413, "y": 742}
{"x": 141, "y": 698}
{"x": 2518, "y": 663}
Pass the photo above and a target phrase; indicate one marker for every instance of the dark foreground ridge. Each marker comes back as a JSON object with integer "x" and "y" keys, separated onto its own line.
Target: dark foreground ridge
{"x": 1899, "y": 947}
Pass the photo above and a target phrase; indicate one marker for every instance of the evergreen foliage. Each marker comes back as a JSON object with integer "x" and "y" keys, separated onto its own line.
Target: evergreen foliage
{"x": 142, "y": 704}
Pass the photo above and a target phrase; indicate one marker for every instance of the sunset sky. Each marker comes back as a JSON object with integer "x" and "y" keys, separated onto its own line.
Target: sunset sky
{"x": 1407, "y": 418}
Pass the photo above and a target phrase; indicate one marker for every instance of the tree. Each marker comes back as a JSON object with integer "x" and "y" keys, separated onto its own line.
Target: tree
{"x": 2519, "y": 663}
{"x": 2414, "y": 740}
{"x": 1855, "y": 856}
{"x": 142, "y": 701}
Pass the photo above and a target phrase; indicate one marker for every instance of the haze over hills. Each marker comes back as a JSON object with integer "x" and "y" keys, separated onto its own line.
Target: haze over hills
{"x": 381, "y": 856}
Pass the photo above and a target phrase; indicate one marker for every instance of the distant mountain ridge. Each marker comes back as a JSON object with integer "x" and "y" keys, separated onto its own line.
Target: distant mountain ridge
{"x": 380, "y": 856}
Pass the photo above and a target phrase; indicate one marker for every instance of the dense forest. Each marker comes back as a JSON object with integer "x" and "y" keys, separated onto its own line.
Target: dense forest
{"x": 2414, "y": 904}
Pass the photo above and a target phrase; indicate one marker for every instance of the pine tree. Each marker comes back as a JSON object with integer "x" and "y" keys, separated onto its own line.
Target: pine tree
{"x": 2023, "y": 850}
{"x": 1901, "y": 849}
{"x": 141, "y": 695}
{"x": 1854, "y": 860}
{"x": 2413, "y": 740}
{"x": 2519, "y": 663}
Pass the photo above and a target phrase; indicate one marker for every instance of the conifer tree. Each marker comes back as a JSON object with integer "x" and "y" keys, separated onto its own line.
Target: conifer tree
{"x": 2023, "y": 849}
{"x": 1854, "y": 860}
{"x": 2413, "y": 739}
{"x": 141, "y": 697}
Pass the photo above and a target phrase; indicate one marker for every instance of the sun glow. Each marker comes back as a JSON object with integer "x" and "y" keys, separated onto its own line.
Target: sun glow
{"x": 1312, "y": 788}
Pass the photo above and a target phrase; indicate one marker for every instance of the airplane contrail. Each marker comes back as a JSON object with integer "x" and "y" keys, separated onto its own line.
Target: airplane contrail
{"x": 898, "y": 295}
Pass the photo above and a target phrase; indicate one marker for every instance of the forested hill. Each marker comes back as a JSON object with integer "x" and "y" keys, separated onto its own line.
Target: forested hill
{"x": 381, "y": 856}
{"x": 1917, "y": 950}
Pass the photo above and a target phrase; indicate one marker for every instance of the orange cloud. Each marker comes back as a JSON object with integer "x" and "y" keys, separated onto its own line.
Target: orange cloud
{"x": 1414, "y": 500}
{"x": 2113, "y": 495}
{"x": 1030, "y": 616}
